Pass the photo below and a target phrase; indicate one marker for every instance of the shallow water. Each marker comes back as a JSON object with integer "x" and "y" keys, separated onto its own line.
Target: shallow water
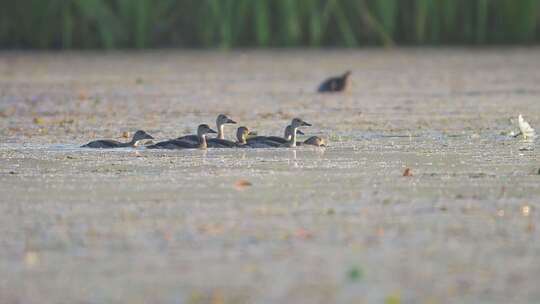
{"x": 340, "y": 224}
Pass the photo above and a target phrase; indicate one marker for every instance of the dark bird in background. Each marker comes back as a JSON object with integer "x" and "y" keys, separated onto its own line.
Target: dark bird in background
{"x": 336, "y": 84}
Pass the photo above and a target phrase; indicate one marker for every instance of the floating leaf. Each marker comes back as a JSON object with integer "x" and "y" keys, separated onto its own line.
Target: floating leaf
{"x": 407, "y": 172}
{"x": 355, "y": 274}
{"x": 31, "y": 258}
{"x": 39, "y": 121}
{"x": 526, "y": 130}
{"x": 392, "y": 299}
{"x": 242, "y": 184}
{"x": 303, "y": 234}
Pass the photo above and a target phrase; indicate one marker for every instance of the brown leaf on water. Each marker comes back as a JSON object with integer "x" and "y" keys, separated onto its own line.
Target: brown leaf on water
{"x": 83, "y": 95}
{"x": 7, "y": 112}
{"x": 39, "y": 120}
{"x": 125, "y": 134}
{"x": 31, "y": 258}
{"x": 407, "y": 172}
{"x": 242, "y": 184}
{"x": 303, "y": 234}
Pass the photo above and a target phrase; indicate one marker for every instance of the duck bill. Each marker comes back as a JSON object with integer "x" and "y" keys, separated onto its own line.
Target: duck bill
{"x": 211, "y": 131}
{"x": 252, "y": 133}
{"x": 230, "y": 121}
{"x": 305, "y": 124}
{"x": 299, "y": 132}
{"x": 148, "y": 136}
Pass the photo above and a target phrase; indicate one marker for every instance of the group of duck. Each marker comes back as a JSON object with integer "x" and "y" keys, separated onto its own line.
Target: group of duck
{"x": 244, "y": 137}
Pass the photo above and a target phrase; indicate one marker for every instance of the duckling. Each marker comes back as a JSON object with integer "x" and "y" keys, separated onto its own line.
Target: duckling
{"x": 336, "y": 84}
{"x": 314, "y": 141}
{"x": 241, "y": 137}
{"x": 295, "y": 124}
{"x": 221, "y": 121}
{"x": 108, "y": 143}
{"x": 202, "y": 131}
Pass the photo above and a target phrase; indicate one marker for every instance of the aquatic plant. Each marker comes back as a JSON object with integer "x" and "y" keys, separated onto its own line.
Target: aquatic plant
{"x": 239, "y": 23}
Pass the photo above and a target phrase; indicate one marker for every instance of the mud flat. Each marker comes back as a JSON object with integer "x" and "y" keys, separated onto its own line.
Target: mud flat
{"x": 305, "y": 225}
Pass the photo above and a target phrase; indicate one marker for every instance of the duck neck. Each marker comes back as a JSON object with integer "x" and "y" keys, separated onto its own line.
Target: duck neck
{"x": 202, "y": 141}
{"x": 220, "y": 131}
{"x": 346, "y": 81}
{"x": 292, "y": 143}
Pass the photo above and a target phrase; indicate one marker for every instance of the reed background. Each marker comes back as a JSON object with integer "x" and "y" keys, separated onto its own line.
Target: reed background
{"x": 265, "y": 23}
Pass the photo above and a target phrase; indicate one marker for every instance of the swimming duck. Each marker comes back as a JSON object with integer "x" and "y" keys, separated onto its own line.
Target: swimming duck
{"x": 336, "y": 84}
{"x": 295, "y": 124}
{"x": 108, "y": 143}
{"x": 201, "y": 143}
{"x": 272, "y": 141}
{"x": 217, "y": 142}
{"x": 314, "y": 141}
{"x": 242, "y": 137}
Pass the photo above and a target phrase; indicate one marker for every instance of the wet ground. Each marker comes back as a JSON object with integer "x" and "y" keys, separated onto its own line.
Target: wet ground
{"x": 304, "y": 225}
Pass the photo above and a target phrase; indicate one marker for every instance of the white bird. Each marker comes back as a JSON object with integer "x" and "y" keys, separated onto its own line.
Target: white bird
{"x": 526, "y": 130}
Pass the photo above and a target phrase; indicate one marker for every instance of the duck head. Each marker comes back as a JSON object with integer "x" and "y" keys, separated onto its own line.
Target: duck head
{"x": 140, "y": 135}
{"x": 242, "y": 134}
{"x": 204, "y": 129}
{"x": 297, "y": 122}
{"x": 222, "y": 120}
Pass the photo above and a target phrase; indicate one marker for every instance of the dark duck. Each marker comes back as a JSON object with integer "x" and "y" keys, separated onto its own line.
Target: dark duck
{"x": 109, "y": 144}
{"x": 219, "y": 141}
{"x": 201, "y": 143}
{"x": 336, "y": 84}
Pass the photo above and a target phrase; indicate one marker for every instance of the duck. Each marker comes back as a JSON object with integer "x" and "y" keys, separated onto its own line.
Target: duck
{"x": 201, "y": 143}
{"x": 272, "y": 141}
{"x": 109, "y": 143}
{"x": 242, "y": 134}
{"x": 313, "y": 141}
{"x": 219, "y": 141}
{"x": 336, "y": 84}
{"x": 295, "y": 124}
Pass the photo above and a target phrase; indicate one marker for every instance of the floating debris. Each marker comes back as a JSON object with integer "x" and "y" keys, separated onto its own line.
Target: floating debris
{"x": 39, "y": 121}
{"x": 526, "y": 130}
{"x": 31, "y": 258}
{"x": 407, "y": 172}
{"x": 526, "y": 210}
{"x": 354, "y": 274}
{"x": 303, "y": 234}
{"x": 392, "y": 299}
{"x": 126, "y": 134}
{"x": 242, "y": 184}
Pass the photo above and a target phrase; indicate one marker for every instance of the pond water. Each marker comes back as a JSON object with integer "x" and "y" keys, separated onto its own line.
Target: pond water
{"x": 340, "y": 224}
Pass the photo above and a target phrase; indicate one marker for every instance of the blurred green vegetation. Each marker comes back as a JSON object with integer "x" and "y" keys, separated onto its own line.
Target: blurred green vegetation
{"x": 264, "y": 23}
